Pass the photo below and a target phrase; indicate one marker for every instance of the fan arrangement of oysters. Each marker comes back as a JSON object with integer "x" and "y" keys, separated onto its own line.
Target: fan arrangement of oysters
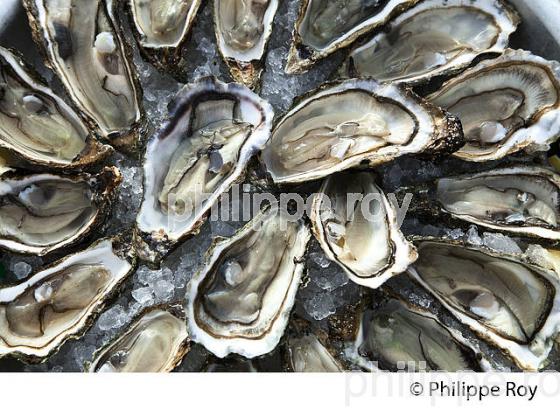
{"x": 430, "y": 79}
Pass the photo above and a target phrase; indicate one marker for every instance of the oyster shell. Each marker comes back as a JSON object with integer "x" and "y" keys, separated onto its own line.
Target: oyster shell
{"x": 60, "y": 302}
{"x": 436, "y": 37}
{"x": 243, "y": 28}
{"x": 42, "y": 213}
{"x": 508, "y": 104}
{"x": 510, "y": 302}
{"x": 520, "y": 200}
{"x": 241, "y": 300}
{"x": 357, "y": 228}
{"x": 399, "y": 336}
{"x": 308, "y": 350}
{"x": 357, "y": 122}
{"x": 161, "y": 27}
{"x": 155, "y": 342}
{"x": 38, "y": 126}
{"x": 213, "y": 131}
{"x": 324, "y": 26}
{"x": 83, "y": 46}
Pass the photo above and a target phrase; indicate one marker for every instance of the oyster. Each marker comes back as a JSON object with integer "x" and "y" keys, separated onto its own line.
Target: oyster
{"x": 508, "y": 301}
{"x": 508, "y": 104}
{"x": 436, "y": 37}
{"x": 357, "y": 228}
{"x": 399, "y": 336}
{"x": 36, "y": 125}
{"x": 83, "y": 46}
{"x": 155, "y": 342}
{"x": 353, "y": 123}
{"x": 308, "y": 350}
{"x": 243, "y": 28}
{"x": 213, "y": 131}
{"x": 42, "y": 213}
{"x": 241, "y": 300}
{"x": 324, "y": 26}
{"x": 161, "y": 27}
{"x": 521, "y": 200}
{"x": 60, "y": 302}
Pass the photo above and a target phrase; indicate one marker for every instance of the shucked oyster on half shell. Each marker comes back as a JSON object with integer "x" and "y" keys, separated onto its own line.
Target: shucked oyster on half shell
{"x": 508, "y": 301}
{"x": 436, "y": 37}
{"x": 243, "y": 28}
{"x": 82, "y": 44}
{"x": 241, "y": 300}
{"x": 155, "y": 342}
{"x": 521, "y": 200}
{"x": 42, "y": 213}
{"x": 395, "y": 335}
{"x": 38, "y": 126}
{"x": 161, "y": 27}
{"x": 60, "y": 302}
{"x": 213, "y": 131}
{"x": 357, "y": 122}
{"x": 506, "y": 105}
{"x": 308, "y": 350}
{"x": 324, "y": 26}
{"x": 357, "y": 227}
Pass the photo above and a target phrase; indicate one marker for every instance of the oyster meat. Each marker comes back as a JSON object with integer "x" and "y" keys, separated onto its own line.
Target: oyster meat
{"x": 42, "y": 213}
{"x": 161, "y": 28}
{"x": 506, "y": 105}
{"x": 241, "y": 300}
{"x": 357, "y": 227}
{"x": 436, "y": 37}
{"x": 520, "y": 200}
{"x": 397, "y": 336}
{"x": 309, "y": 355}
{"x": 243, "y": 28}
{"x": 82, "y": 43}
{"x": 357, "y": 122}
{"x": 506, "y": 300}
{"x": 38, "y": 315}
{"x": 308, "y": 350}
{"x": 155, "y": 342}
{"x": 38, "y": 126}
{"x": 324, "y": 26}
{"x": 213, "y": 131}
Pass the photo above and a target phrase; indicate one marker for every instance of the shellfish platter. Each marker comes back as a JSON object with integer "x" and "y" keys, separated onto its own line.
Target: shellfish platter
{"x": 279, "y": 186}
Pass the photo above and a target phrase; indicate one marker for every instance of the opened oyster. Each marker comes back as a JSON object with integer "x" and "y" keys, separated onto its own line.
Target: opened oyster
{"x": 508, "y": 104}
{"x": 521, "y": 200}
{"x": 435, "y": 37}
{"x": 213, "y": 131}
{"x": 82, "y": 44}
{"x": 358, "y": 228}
{"x": 506, "y": 300}
{"x": 241, "y": 301}
{"x": 308, "y": 350}
{"x": 243, "y": 28}
{"x": 324, "y": 26}
{"x": 36, "y": 125}
{"x": 356, "y": 123}
{"x": 155, "y": 342}
{"x": 161, "y": 27}
{"x": 42, "y": 213}
{"x": 60, "y": 302}
{"x": 398, "y": 336}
